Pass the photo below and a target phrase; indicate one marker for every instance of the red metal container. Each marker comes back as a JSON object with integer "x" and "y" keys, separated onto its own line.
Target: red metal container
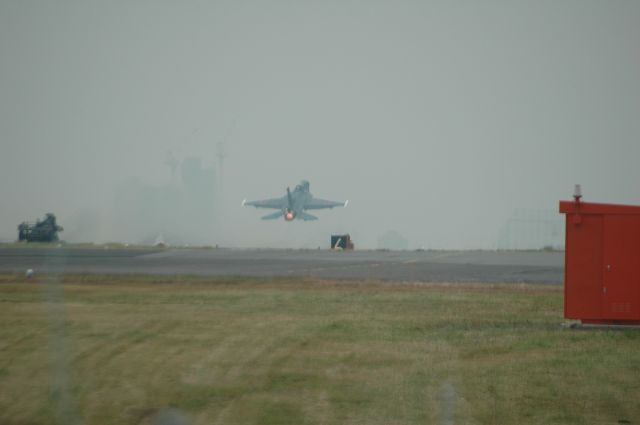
{"x": 602, "y": 262}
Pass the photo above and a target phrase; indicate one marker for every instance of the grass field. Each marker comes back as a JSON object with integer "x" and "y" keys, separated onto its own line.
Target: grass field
{"x": 134, "y": 350}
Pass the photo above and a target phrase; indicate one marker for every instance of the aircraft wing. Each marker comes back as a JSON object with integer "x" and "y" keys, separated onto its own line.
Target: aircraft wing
{"x": 273, "y": 216}
{"x": 306, "y": 217}
{"x": 318, "y": 204}
{"x": 279, "y": 203}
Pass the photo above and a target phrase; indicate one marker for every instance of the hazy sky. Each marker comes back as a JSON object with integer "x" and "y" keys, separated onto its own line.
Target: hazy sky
{"x": 434, "y": 118}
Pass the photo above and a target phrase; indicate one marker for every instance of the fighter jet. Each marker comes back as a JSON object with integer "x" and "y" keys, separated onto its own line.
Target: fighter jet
{"x": 293, "y": 205}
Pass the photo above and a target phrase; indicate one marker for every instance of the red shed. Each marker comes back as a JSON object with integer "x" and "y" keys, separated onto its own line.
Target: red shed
{"x": 602, "y": 262}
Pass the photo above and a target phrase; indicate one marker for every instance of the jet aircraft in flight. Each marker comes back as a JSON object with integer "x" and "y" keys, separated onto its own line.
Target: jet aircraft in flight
{"x": 293, "y": 205}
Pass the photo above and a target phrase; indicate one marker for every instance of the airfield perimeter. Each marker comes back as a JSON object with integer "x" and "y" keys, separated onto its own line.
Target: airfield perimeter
{"x": 135, "y": 348}
{"x": 426, "y": 266}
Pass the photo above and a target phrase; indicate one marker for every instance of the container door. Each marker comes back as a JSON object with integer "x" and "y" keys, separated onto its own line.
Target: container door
{"x": 583, "y": 267}
{"x": 620, "y": 286}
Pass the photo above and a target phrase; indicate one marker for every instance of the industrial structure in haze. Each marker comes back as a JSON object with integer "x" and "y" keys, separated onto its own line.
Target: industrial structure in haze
{"x": 528, "y": 229}
{"x": 40, "y": 231}
{"x": 393, "y": 240}
{"x": 181, "y": 212}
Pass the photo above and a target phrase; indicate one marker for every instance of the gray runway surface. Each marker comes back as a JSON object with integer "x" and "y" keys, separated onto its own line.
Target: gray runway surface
{"x": 427, "y": 266}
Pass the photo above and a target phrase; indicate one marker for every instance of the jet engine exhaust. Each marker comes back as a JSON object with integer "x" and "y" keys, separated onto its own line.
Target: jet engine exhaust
{"x": 289, "y": 215}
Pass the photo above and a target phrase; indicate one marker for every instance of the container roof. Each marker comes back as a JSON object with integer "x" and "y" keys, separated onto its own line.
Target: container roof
{"x": 572, "y": 207}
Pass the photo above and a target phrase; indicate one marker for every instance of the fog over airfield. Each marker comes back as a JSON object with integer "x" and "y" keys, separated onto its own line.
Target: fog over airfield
{"x": 435, "y": 119}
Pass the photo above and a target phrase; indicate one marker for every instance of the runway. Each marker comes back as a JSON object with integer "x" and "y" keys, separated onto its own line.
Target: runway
{"x": 396, "y": 266}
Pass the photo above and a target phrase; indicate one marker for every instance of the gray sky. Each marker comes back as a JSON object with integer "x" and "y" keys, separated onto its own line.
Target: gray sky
{"x": 436, "y": 119}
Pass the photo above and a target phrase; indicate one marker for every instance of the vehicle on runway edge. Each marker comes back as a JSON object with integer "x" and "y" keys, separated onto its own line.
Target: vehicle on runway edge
{"x": 292, "y": 206}
{"x": 40, "y": 231}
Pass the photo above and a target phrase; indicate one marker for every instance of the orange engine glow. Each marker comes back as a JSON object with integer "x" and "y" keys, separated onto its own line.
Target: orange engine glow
{"x": 289, "y": 216}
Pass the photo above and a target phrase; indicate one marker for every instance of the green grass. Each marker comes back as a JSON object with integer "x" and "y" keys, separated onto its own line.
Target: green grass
{"x": 123, "y": 350}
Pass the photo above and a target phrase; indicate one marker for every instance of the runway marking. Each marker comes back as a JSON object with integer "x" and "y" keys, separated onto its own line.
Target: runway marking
{"x": 341, "y": 267}
{"x": 444, "y": 255}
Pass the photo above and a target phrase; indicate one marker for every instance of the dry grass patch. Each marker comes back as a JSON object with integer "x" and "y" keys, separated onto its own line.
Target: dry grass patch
{"x": 123, "y": 350}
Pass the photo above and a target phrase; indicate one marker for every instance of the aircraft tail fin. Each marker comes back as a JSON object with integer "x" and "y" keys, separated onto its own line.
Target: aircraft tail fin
{"x": 305, "y": 216}
{"x": 273, "y": 216}
{"x": 289, "y": 199}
